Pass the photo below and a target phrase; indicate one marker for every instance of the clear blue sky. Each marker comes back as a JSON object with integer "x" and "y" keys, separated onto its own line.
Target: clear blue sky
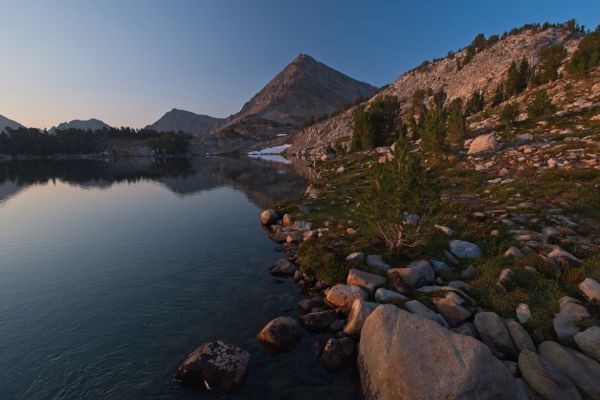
{"x": 129, "y": 61}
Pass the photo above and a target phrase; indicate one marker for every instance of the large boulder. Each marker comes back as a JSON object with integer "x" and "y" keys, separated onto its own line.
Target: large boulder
{"x": 462, "y": 249}
{"x": 493, "y": 332}
{"x": 268, "y": 217}
{"x": 545, "y": 378}
{"x": 483, "y": 143}
{"x": 365, "y": 280}
{"x": 358, "y": 315}
{"x": 342, "y": 296}
{"x": 281, "y": 332}
{"x": 215, "y": 366}
{"x": 579, "y": 368}
{"x": 404, "y": 356}
{"x": 589, "y": 342}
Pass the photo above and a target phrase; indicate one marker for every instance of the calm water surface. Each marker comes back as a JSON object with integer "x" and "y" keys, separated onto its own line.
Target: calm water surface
{"x": 110, "y": 274}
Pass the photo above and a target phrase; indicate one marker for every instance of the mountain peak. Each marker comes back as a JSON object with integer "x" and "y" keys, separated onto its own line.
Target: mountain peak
{"x": 8, "y": 123}
{"x": 178, "y": 120}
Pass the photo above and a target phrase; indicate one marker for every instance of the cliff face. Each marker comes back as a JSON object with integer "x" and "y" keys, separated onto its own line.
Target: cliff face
{"x": 484, "y": 72}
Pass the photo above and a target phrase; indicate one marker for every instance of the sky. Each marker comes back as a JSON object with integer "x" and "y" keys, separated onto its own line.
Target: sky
{"x": 127, "y": 62}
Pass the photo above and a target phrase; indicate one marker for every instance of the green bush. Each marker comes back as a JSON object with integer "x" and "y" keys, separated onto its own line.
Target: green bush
{"x": 541, "y": 105}
{"x": 456, "y": 122}
{"x": 509, "y": 113}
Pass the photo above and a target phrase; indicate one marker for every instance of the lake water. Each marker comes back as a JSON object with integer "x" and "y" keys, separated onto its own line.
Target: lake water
{"x": 111, "y": 274}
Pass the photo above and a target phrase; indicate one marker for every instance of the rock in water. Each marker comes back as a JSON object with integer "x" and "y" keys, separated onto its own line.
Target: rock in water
{"x": 283, "y": 267}
{"x": 338, "y": 352}
{"x": 215, "y": 366}
{"x": 319, "y": 321}
{"x": 268, "y": 217}
{"x": 281, "y": 332}
{"x": 403, "y": 356}
{"x": 545, "y": 378}
{"x": 462, "y": 249}
{"x": 483, "y": 143}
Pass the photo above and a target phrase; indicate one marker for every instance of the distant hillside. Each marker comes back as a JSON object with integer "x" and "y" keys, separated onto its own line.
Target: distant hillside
{"x": 185, "y": 121}
{"x": 459, "y": 74}
{"x": 89, "y": 124}
{"x": 8, "y": 123}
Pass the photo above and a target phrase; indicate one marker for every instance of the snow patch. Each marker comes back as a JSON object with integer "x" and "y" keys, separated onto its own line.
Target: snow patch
{"x": 270, "y": 150}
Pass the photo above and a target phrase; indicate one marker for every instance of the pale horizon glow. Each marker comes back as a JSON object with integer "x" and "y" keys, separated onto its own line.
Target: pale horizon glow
{"x": 127, "y": 62}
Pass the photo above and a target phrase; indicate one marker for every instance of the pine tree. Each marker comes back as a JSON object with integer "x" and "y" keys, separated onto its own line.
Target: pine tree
{"x": 541, "y": 105}
{"x": 433, "y": 133}
{"x": 587, "y": 55}
{"x": 498, "y": 95}
{"x": 456, "y": 124}
{"x": 476, "y": 103}
{"x": 550, "y": 59}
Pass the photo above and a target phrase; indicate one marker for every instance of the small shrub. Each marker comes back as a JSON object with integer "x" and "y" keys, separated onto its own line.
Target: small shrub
{"x": 509, "y": 113}
{"x": 541, "y": 105}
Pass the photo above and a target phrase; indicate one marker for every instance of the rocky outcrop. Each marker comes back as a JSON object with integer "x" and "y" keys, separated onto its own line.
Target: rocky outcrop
{"x": 403, "y": 356}
{"x": 215, "y": 366}
{"x": 86, "y": 125}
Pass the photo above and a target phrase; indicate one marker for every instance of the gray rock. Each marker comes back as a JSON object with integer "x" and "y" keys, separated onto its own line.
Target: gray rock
{"x": 319, "y": 321}
{"x": 389, "y": 296}
{"x": 589, "y": 342}
{"x": 519, "y": 335}
{"x": 590, "y": 289}
{"x": 337, "y": 353}
{"x": 420, "y": 309}
{"x": 563, "y": 258}
{"x": 424, "y": 268}
{"x": 215, "y": 366}
{"x": 523, "y": 313}
{"x": 448, "y": 231}
{"x": 281, "y": 332}
{"x": 438, "y": 266}
{"x": 566, "y": 322}
{"x": 580, "y": 369}
{"x": 450, "y": 307}
{"x": 402, "y": 279}
{"x": 358, "y": 315}
{"x": 467, "y": 328}
{"x": 283, "y": 267}
{"x": 301, "y": 226}
{"x": 493, "y": 332}
{"x": 527, "y": 390}
{"x": 365, "y": 280}
{"x": 374, "y": 261}
{"x": 342, "y": 296}
{"x": 357, "y": 257}
{"x": 268, "y": 217}
{"x": 311, "y": 302}
{"x": 462, "y": 249}
{"x": 483, "y": 143}
{"x": 459, "y": 285}
{"x": 403, "y": 356}
{"x": 545, "y": 378}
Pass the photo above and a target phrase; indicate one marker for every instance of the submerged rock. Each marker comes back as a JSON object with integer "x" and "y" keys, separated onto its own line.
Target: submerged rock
{"x": 215, "y": 366}
{"x": 337, "y": 353}
{"x": 403, "y": 356}
{"x": 281, "y": 332}
{"x": 283, "y": 267}
{"x": 319, "y": 321}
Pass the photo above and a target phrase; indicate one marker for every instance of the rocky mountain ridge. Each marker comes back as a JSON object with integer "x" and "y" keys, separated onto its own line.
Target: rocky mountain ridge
{"x": 484, "y": 72}
{"x": 91, "y": 124}
{"x": 185, "y": 121}
{"x": 8, "y": 123}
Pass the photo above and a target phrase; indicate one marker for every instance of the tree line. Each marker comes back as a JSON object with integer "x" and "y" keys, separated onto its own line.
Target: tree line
{"x": 36, "y": 142}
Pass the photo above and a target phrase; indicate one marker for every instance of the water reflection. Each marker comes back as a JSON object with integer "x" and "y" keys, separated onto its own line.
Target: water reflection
{"x": 263, "y": 181}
